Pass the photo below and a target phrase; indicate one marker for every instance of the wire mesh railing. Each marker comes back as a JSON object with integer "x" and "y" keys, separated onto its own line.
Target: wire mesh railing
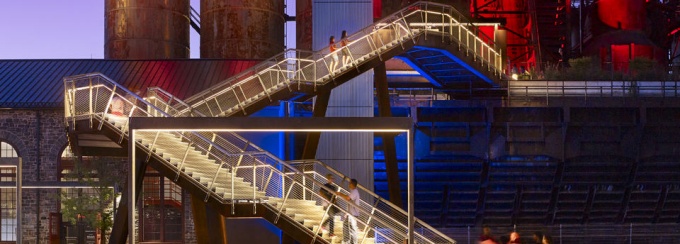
{"x": 224, "y": 170}
{"x": 374, "y": 204}
{"x": 370, "y": 200}
{"x": 296, "y": 67}
{"x": 547, "y": 89}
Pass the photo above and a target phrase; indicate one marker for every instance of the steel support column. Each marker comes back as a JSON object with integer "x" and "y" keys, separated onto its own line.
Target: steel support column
{"x": 287, "y": 239}
{"x": 209, "y": 225}
{"x": 312, "y": 141}
{"x": 119, "y": 232}
{"x": 389, "y": 147}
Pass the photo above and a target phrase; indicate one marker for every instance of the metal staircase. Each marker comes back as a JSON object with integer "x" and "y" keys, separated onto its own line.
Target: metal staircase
{"x": 296, "y": 73}
{"x": 230, "y": 173}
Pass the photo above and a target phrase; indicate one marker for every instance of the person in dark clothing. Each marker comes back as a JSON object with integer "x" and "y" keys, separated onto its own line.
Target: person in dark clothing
{"x": 486, "y": 237}
{"x": 538, "y": 237}
{"x": 329, "y": 204}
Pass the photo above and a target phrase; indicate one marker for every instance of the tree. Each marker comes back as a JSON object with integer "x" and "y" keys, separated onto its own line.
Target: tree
{"x": 93, "y": 204}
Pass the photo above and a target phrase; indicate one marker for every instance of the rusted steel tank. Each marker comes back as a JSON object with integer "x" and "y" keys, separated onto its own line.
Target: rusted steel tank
{"x": 242, "y": 29}
{"x": 138, "y": 29}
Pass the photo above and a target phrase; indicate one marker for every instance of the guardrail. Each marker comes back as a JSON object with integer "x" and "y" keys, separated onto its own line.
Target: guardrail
{"x": 548, "y": 89}
{"x": 296, "y": 67}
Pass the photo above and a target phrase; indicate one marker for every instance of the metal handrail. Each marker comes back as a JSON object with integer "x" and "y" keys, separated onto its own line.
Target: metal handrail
{"x": 297, "y": 66}
{"x": 123, "y": 129}
{"x": 366, "y": 190}
{"x": 261, "y": 160}
{"x": 154, "y": 95}
{"x": 622, "y": 88}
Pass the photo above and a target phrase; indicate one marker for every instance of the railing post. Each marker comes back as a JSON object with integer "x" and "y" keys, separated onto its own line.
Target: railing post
{"x": 233, "y": 204}
{"x": 217, "y": 173}
{"x": 254, "y": 189}
{"x": 90, "y": 101}
{"x": 467, "y": 42}
{"x": 264, "y": 89}
{"x": 460, "y": 30}
{"x": 374, "y": 48}
{"x": 443, "y": 26}
{"x": 153, "y": 144}
{"x": 238, "y": 101}
{"x": 269, "y": 178}
{"x": 283, "y": 202}
{"x": 325, "y": 214}
{"x": 450, "y": 25}
{"x": 181, "y": 164}
{"x": 475, "y": 48}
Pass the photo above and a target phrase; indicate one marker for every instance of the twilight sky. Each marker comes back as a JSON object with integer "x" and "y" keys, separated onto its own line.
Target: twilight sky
{"x": 58, "y": 29}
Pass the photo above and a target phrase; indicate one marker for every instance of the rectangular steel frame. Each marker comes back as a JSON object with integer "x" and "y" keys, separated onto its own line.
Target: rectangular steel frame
{"x": 237, "y": 124}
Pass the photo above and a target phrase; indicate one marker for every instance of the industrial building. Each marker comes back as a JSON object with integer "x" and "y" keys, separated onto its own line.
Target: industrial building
{"x": 557, "y": 116}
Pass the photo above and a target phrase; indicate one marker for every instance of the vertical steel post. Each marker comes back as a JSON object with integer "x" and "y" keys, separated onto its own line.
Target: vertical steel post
{"x": 411, "y": 200}
{"x": 131, "y": 186}
{"x": 19, "y": 197}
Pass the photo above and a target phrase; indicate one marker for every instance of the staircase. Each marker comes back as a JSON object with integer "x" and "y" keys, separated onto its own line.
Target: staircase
{"x": 231, "y": 174}
{"x": 551, "y": 20}
{"x": 294, "y": 73}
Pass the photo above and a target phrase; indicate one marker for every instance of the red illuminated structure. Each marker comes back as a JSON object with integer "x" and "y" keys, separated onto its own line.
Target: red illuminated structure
{"x": 537, "y": 30}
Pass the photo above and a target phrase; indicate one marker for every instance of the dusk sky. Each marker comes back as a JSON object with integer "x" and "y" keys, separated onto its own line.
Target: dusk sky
{"x": 64, "y": 29}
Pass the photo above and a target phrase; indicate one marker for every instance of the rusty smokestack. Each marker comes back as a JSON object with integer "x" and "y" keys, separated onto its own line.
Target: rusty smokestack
{"x": 242, "y": 29}
{"x": 138, "y": 29}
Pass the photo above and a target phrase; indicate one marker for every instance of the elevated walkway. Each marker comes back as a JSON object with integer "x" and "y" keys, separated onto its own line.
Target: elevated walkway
{"x": 438, "y": 40}
{"x": 229, "y": 171}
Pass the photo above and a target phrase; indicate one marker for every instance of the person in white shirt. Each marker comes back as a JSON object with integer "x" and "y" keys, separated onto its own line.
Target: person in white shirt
{"x": 349, "y": 225}
{"x": 117, "y": 106}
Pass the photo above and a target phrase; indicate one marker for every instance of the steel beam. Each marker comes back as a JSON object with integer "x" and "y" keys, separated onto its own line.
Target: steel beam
{"x": 312, "y": 140}
{"x": 119, "y": 232}
{"x": 209, "y": 225}
{"x": 389, "y": 147}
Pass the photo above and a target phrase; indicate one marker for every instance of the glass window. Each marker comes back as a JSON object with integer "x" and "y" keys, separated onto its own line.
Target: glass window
{"x": 162, "y": 214}
{"x": 7, "y": 151}
{"x": 8, "y": 196}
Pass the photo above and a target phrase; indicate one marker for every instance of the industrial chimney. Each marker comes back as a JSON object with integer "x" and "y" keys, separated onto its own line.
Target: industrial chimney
{"x": 139, "y": 29}
{"x": 242, "y": 29}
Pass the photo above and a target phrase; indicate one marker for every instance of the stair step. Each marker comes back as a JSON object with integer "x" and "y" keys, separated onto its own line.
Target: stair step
{"x": 241, "y": 195}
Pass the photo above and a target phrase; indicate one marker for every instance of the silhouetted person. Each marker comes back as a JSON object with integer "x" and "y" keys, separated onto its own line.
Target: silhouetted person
{"x": 538, "y": 237}
{"x": 486, "y": 237}
{"x": 349, "y": 225}
{"x": 329, "y": 204}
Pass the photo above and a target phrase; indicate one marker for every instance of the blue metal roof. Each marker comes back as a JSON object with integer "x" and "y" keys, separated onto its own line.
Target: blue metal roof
{"x": 39, "y": 83}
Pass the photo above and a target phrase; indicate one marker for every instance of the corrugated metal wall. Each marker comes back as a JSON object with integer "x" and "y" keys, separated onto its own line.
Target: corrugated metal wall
{"x": 350, "y": 153}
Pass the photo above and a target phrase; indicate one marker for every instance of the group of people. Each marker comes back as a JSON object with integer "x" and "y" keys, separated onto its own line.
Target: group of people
{"x": 487, "y": 238}
{"x": 349, "y": 223}
{"x": 330, "y": 192}
{"x": 334, "y": 55}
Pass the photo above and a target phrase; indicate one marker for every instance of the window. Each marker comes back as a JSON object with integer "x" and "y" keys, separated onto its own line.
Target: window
{"x": 161, "y": 217}
{"x": 8, "y": 196}
{"x": 7, "y": 151}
